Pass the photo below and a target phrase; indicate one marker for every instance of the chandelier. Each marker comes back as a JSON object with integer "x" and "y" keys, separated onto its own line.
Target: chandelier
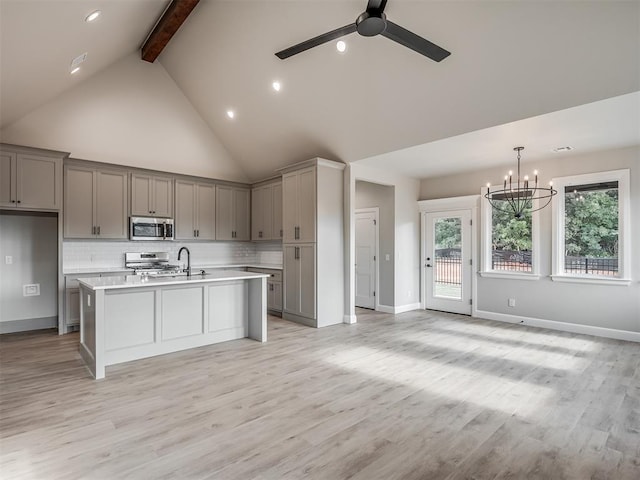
{"x": 520, "y": 195}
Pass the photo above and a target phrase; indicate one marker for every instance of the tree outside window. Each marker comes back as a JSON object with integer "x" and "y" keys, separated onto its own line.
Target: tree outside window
{"x": 511, "y": 239}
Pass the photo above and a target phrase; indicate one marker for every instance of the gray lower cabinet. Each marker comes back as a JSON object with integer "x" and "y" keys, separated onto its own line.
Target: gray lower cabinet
{"x": 274, "y": 288}
{"x": 300, "y": 282}
{"x": 95, "y": 203}
{"x": 30, "y": 179}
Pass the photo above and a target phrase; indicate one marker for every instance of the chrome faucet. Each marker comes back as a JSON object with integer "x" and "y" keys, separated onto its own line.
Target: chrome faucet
{"x": 188, "y": 269}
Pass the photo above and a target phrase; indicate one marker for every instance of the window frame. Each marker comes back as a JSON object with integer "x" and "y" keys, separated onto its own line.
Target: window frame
{"x": 624, "y": 227}
{"x": 487, "y": 220}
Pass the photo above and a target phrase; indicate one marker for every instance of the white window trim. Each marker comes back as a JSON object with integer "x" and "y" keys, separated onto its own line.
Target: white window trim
{"x": 487, "y": 215}
{"x": 624, "y": 231}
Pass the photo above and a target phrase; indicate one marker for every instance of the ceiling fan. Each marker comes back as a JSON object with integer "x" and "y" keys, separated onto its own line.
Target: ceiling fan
{"x": 373, "y": 22}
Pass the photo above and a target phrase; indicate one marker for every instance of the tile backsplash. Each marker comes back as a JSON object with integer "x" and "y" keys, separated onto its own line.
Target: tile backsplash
{"x": 90, "y": 254}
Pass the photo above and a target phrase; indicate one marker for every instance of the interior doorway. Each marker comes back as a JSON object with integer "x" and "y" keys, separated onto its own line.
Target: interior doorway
{"x": 367, "y": 255}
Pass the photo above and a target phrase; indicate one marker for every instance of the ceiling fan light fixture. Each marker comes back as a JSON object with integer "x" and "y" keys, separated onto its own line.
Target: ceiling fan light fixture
{"x": 341, "y": 46}
{"x": 92, "y": 16}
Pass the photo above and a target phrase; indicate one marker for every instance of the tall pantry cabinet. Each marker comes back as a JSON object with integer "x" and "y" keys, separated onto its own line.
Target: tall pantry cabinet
{"x": 313, "y": 242}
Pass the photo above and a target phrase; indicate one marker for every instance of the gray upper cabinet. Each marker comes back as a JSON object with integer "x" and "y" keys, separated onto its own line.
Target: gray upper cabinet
{"x": 299, "y": 211}
{"x": 151, "y": 195}
{"x": 233, "y": 215}
{"x": 30, "y": 181}
{"x": 266, "y": 212}
{"x": 195, "y": 217}
{"x": 95, "y": 202}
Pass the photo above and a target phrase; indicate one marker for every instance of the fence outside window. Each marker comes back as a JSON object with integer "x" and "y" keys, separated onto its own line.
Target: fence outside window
{"x": 591, "y": 266}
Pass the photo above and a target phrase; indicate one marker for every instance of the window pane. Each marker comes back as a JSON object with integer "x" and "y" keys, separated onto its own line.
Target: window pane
{"x": 591, "y": 229}
{"x": 510, "y": 239}
{"x": 448, "y": 256}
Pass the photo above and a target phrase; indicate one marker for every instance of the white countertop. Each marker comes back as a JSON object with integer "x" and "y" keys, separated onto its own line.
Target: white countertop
{"x": 88, "y": 270}
{"x": 136, "y": 281}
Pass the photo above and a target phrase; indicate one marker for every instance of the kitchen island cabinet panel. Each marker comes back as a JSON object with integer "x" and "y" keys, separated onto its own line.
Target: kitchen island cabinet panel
{"x": 227, "y": 311}
{"x": 182, "y": 312}
{"x": 132, "y": 320}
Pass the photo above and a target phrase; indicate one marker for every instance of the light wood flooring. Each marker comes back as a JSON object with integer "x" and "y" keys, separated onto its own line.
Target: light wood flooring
{"x": 421, "y": 395}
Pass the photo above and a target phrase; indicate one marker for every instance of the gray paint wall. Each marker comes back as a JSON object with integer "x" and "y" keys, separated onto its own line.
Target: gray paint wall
{"x": 607, "y": 306}
{"x": 32, "y": 241}
{"x": 373, "y": 195}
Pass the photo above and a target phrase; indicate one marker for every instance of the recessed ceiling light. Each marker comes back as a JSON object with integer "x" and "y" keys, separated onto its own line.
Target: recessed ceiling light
{"x": 74, "y": 70}
{"x": 341, "y": 46}
{"x": 276, "y": 86}
{"x": 231, "y": 113}
{"x": 92, "y": 16}
{"x": 562, "y": 149}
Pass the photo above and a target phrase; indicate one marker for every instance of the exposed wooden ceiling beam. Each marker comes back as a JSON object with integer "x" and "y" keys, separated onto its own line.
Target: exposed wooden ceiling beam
{"x": 173, "y": 17}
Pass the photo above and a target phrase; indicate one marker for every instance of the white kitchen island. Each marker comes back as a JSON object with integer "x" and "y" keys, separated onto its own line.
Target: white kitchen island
{"x": 129, "y": 317}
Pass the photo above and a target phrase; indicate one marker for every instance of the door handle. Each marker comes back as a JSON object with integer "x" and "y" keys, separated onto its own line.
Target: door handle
{"x": 428, "y": 265}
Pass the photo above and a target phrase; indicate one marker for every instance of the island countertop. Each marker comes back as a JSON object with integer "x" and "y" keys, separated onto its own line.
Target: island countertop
{"x": 138, "y": 281}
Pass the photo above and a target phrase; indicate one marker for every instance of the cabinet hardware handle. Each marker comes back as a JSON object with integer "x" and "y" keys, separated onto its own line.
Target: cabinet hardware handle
{"x": 259, "y": 234}
{"x": 93, "y": 230}
{"x": 13, "y": 201}
{"x": 280, "y": 233}
{"x": 194, "y": 233}
{"x": 19, "y": 201}
{"x": 98, "y": 229}
{"x": 198, "y": 232}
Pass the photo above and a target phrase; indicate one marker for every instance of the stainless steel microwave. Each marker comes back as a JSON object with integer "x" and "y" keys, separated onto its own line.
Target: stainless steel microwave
{"x": 150, "y": 228}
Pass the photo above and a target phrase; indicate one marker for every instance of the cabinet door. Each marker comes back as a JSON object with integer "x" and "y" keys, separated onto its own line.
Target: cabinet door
{"x": 307, "y": 260}
{"x": 224, "y": 212}
{"x": 291, "y": 300}
{"x": 267, "y": 213}
{"x": 256, "y": 213}
{"x": 72, "y": 306}
{"x": 276, "y": 232}
{"x": 141, "y": 197}
{"x": 270, "y": 295}
{"x": 7, "y": 179}
{"x": 241, "y": 214}
{"x": 185, "y": 226}
{"x": 277, "y": 296}
{"x": 162, "y": 196}
{"x": 206, "y": 211}
{"x": 79, "y": 195}
{"x": 307, "y": 205}
{"x": 38, "y": 182}
{"x": 290, "y": 206}
{"x": 111, "y": 204}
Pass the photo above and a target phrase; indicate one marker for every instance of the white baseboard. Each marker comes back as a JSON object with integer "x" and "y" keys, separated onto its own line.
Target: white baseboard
{"x": 562, "y": 326}
{"x": 350, "y": 319}
{"x": 13, "y": 326}
{"x": 400, "y": 309}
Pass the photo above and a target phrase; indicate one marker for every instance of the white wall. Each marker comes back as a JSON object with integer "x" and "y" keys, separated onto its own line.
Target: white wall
{"x": 612, "y": 307}
{"x": 381, "y": 196}
{"x": 406, "y": 236}
{"x": 133, "y": 114}
{"x": 32, "y": 241}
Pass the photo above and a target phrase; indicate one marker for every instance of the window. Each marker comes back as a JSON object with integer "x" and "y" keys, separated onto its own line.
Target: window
{"x": 591, "y": 227}
{"x": 509, "y": 243}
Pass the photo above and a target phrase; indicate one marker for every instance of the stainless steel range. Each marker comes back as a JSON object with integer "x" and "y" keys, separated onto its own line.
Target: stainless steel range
{"x": 151, "y": 264}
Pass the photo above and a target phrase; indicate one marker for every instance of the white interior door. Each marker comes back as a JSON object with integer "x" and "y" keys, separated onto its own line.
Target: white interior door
{"x": 366, "y": 246}
{"x": 447, "y": 261}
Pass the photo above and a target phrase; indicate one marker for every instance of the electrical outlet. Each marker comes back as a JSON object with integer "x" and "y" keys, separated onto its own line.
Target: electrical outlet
{"x": 387, "y": 257}
{"x": 512, "y": 302}
{"x": 32, "y": 290}
{"x": 8, "y": 259}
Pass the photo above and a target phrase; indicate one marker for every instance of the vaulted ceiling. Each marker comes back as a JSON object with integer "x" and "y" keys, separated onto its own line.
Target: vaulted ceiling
{"x": 510, "y": 61}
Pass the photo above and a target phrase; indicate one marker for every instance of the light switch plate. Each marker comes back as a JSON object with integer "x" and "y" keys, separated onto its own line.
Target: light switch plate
{"x": 8, "y": 259}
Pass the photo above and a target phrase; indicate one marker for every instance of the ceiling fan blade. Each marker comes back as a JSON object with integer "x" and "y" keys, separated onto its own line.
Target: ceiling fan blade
{"x": 414, "y": 42}
{"x": 376, "y": 5}
{"x": 315, "y": 41}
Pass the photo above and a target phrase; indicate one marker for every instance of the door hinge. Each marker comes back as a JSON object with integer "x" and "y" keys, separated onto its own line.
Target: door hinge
{"x": 374, "y": 221}
{"x": 470, "y": 222}
{"x": 374, "y": 258}
{"x": 470, "y": 261}
{"x": 374, "y": 293}
{"x": 470, "y": 301}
